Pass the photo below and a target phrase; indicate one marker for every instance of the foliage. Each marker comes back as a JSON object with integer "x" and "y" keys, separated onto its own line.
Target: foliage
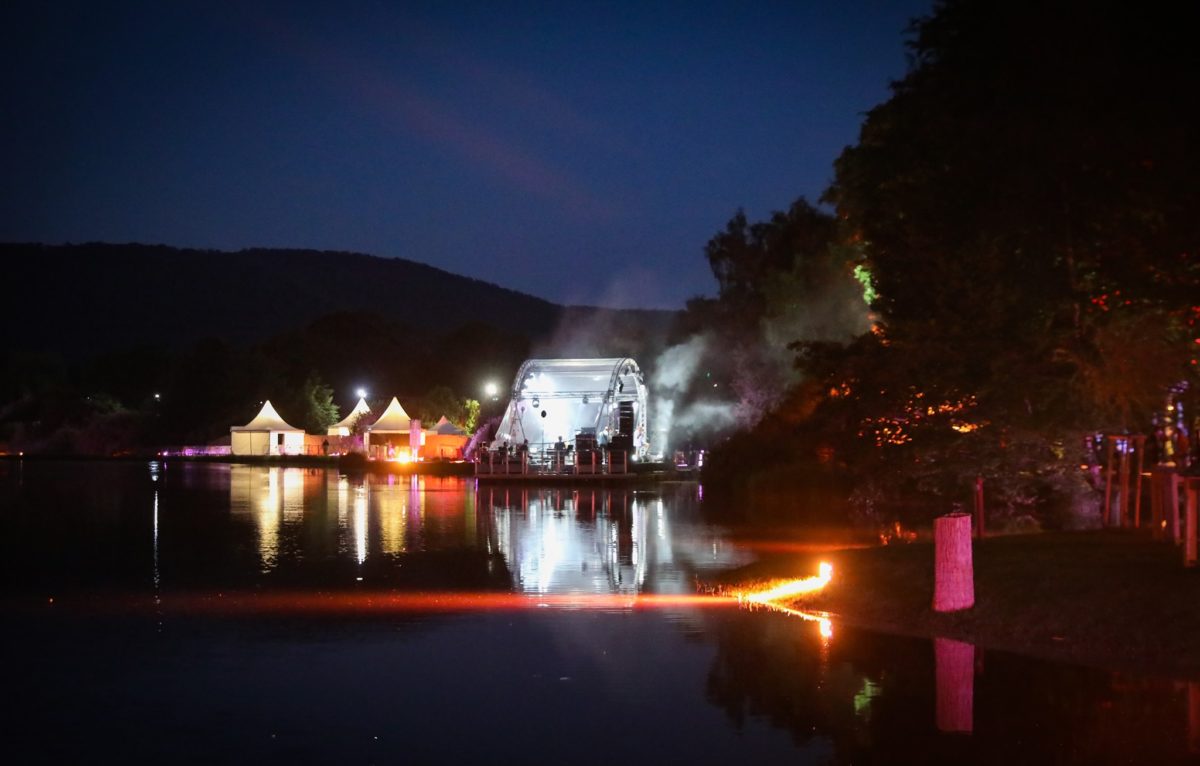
{"x": 1023, "y": 215}
{"x": 441, "y": 401}
{"x": 779, "y": 280}
{"x": 470, "y": 415}
{"x": 745, "y": 257}
{"x": 313, "y": 405}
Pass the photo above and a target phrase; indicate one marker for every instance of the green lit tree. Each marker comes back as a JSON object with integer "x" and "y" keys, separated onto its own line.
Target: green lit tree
{"x": 314, "y": 405}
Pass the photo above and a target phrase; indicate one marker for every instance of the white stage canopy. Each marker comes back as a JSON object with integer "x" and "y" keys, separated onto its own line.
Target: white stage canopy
{"x": 562, "y": 398}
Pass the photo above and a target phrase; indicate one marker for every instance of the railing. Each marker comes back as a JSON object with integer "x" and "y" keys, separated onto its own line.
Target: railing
{"x": 552, "y": 462}
{"x": 196, "y": 451}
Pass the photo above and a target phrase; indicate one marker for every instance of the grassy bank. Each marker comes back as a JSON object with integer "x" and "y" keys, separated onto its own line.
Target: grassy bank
{"x": 1106, "y": 598}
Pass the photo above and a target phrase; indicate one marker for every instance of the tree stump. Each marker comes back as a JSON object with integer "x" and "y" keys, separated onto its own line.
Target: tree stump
{"x": 954, "y": 571}
{"x": 955, "y": 675}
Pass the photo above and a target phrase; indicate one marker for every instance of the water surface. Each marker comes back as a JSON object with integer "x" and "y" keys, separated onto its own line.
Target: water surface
{"x": 214, "y": 613}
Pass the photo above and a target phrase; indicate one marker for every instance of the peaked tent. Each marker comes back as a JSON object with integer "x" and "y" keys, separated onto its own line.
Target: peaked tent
{"x": 266, "y": 434}
{"x": 393, "y": 434}
{"x": 445, "y": 441}
{"x": 346, "y": 424}
{"x": 446, "y": 428}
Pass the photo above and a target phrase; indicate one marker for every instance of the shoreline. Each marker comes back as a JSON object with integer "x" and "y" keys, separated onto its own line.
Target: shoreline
{"x": 341, "y": 462}
{"x": 1111, "y": 599}
{"x": 351, "y": 464}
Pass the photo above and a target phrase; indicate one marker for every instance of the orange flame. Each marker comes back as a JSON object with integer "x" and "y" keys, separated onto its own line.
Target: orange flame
{"x": 792, "y": 588}
{"x": 771, "y": 597}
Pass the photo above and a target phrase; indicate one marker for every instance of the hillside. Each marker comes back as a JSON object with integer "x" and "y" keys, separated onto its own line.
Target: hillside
{"x": 82, "y": 299}
{"x": 105, "y": 348}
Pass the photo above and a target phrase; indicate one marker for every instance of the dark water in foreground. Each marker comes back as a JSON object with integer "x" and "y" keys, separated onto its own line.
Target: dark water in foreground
{"x": 209, "y": 613}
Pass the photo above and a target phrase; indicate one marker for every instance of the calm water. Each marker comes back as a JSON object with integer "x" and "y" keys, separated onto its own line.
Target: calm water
{"x": 211, "y": 613}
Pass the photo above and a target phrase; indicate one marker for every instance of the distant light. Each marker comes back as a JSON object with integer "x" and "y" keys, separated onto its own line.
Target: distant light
{"x": 491, "y": 389}
{"x": 157, "y": 397}
{"x": 361, "y": 393}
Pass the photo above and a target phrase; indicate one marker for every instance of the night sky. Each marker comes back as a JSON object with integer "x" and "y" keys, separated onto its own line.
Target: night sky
{"x": 583, "y": 153}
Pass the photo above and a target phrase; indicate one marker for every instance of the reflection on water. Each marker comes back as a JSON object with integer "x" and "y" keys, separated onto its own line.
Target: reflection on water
{"x": 552, "y": 541}
{"x": 599, "y": 541}
{"x": 313, "y": 556}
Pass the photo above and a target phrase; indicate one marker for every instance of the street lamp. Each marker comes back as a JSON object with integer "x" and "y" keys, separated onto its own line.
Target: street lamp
{"x": 361, "y": 393}
{"x": 491, "y": 389}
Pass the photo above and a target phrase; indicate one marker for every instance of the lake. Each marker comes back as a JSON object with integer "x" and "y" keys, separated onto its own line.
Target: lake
{"x": 195, "y": 612}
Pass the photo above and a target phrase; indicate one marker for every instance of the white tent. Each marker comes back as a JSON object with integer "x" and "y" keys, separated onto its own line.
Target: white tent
{"x": 346, "y": 424}
{"x": 266, "y": 434}
{"x": 394, "y": 432}
{"x": 445, "y": 428}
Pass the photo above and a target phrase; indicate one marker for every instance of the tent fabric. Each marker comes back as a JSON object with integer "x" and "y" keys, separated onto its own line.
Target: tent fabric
{"x": 348, "y": 422}
{"x": 393, "y": 420}
{"x": 267, "y": 419}
{"x": 446, "y": 428}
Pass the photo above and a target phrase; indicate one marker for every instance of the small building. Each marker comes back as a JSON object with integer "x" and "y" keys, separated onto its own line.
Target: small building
{"x": 394, "y": 436}
{"x": 266, "y": 434}
{"x": 445, "y": 441}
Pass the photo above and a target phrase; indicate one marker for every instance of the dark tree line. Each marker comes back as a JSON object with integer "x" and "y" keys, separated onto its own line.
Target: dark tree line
{"x": 1025, "y": 213}
{"x": 142, "y": 398}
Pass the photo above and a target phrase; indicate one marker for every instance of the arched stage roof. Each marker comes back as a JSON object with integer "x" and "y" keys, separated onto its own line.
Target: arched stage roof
{"x": 559, "y": 398}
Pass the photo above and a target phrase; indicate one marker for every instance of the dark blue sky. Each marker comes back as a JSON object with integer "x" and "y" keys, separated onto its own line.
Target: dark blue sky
{"x": 582, "y": 152}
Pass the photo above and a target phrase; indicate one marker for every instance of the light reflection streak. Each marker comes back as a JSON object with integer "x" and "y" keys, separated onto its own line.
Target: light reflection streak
{"x": 269, "y": 513}
{"x": 360, "y": 524}
{"x": 156, "y": 574}
{"x": 776, "y": 546}
{"x": 360, "y": 603}
{"x": 824, "y": 624}
{"x": 368, "y": 602}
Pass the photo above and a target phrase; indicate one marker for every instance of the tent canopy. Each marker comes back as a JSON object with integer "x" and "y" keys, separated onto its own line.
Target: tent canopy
{"x": 446, "y": 428}
{"x": 348, "y": 422}
{"x": 267, "y": 419}
{"x": 393, "y": 420}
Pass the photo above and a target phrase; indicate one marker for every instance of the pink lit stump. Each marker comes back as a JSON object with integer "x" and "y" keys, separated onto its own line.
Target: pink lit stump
{"x": 954, "y": 572}
{"x": 955, "y": 671}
